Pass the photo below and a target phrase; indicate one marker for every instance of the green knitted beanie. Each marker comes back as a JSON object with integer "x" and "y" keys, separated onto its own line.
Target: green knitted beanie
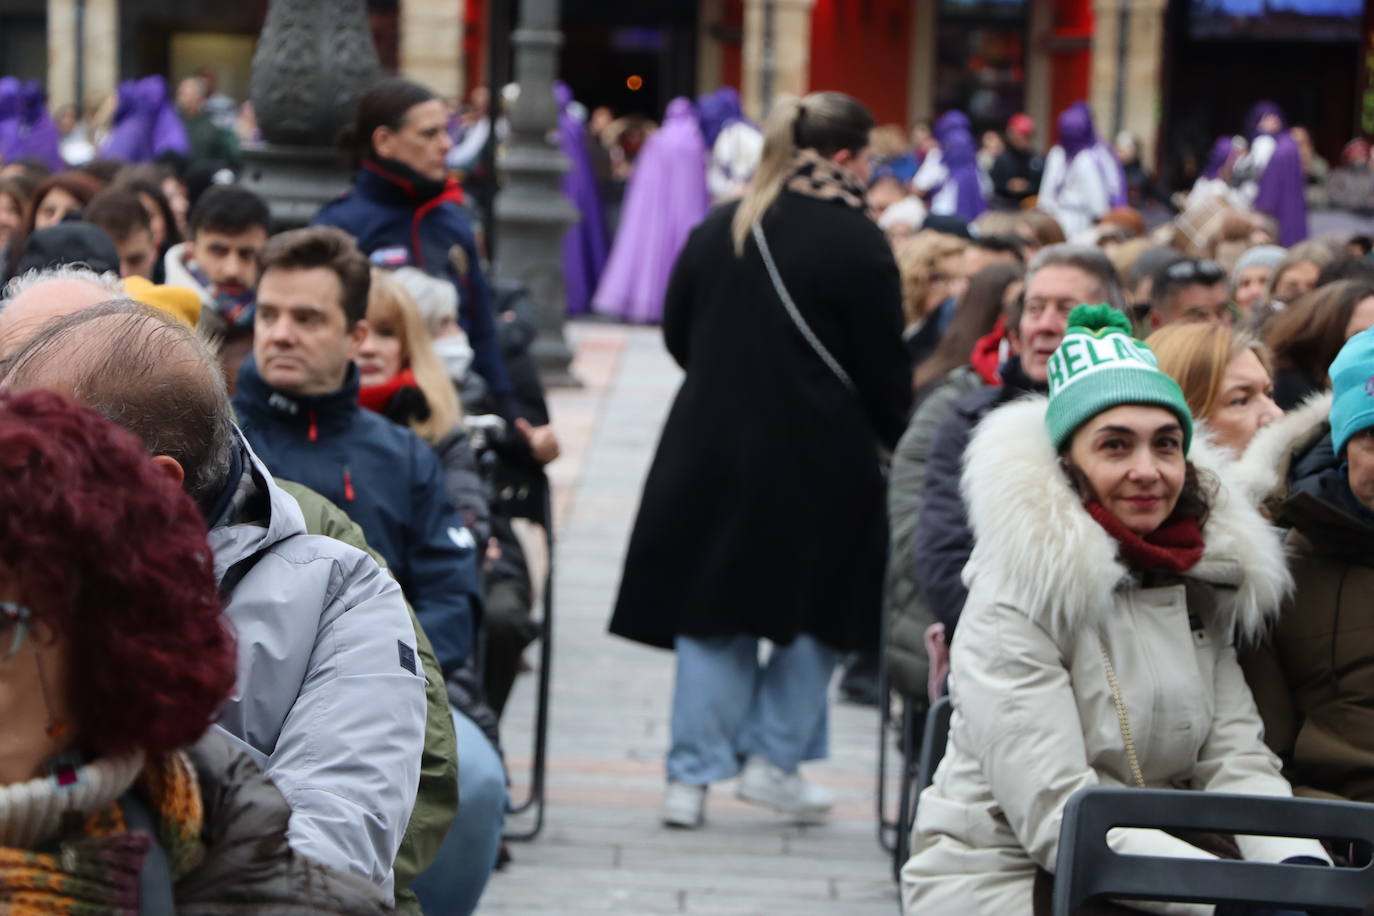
{"x": 1099, "y": 366}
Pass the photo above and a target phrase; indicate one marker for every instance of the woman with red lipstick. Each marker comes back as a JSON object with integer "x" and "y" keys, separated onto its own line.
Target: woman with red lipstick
{"x": 1112, "y": 575}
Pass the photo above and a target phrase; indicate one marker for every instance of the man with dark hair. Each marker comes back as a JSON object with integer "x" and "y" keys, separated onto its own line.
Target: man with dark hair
{"x": 1190, "y": 289}
{"x": 226, "y": 228}
{"x": 120, "y": 215}
{"x": 1016, "y": 171}
{"x": 297, "y": 401}
{"x": 330, "y": 700}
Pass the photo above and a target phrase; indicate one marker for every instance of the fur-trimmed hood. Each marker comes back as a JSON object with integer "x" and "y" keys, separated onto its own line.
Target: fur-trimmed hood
{"x": 1047, "y": 555}
{"x": 1261, "y": 474}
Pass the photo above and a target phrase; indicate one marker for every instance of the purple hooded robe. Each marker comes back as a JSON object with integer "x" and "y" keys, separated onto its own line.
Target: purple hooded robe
{"x": 665, "y": 198}
{"x": 584, "y": 244}
{"x": 717, "y": 111}
{"x": 1110, "y": 166}
{"x": 146, "y": 123}
{"x": 1281, "y": 185}
{"x": 40, "y": 139}
{"x": 10, "y": 119}
{"x": 961, "y": 160}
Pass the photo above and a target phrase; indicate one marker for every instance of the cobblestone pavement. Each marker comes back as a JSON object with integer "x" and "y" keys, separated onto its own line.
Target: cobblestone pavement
{"x": 602, "y": 849}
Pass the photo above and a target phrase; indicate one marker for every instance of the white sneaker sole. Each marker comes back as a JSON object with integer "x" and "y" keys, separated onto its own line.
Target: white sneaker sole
{"x": 784, "y": 805}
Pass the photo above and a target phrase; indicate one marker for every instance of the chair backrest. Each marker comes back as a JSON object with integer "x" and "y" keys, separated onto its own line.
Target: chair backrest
{"x": 933, "y": 744}
{"x": 1088, "y": 868}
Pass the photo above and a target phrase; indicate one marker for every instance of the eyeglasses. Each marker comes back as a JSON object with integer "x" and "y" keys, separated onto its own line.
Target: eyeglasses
{"x": 1195, "y": 270}
{"x": 14, "y": 628}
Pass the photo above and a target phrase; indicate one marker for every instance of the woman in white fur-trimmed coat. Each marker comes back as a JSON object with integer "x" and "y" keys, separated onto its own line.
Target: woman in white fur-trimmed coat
{"x": 1101, "y": 555}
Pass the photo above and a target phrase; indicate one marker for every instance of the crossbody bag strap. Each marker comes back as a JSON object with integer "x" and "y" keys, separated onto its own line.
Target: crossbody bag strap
{"x": 796, "y": 315}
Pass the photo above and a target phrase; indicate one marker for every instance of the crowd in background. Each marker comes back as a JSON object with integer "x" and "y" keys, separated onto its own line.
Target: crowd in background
{"x": 365, "y": 436}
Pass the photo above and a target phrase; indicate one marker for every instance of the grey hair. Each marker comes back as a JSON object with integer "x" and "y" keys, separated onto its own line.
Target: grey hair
{"x": 1088, "y": 259}
{"x": 146, "y": 372}
{"x": 436, "y": 298}
{"x": 26, "y": 281}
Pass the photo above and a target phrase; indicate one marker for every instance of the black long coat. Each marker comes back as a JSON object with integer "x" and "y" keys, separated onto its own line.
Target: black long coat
{"x": 763, "y": 512}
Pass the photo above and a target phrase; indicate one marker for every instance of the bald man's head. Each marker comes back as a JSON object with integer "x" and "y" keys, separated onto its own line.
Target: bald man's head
{"x": 143, "y": 371}
{"x": 40, "y": 296}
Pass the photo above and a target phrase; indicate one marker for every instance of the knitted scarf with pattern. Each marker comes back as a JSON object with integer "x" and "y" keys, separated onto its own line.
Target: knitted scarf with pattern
{"x": 67, "y": 848}
{"x": 816, "y": 176}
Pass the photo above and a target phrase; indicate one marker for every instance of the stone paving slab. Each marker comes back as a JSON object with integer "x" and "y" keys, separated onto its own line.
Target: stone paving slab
{"x": 602, "y": 849}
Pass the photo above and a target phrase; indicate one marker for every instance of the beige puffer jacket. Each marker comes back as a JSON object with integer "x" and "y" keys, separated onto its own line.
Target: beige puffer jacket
{"x": 1034, "y": 718}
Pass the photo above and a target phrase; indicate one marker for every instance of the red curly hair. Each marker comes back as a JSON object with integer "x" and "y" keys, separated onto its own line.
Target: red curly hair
{"x": 109, "y": 553}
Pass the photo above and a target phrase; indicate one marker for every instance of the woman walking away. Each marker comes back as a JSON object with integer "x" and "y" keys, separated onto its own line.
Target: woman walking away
{"x": 1112, "y": 573}
{"x": 762, "y": 517}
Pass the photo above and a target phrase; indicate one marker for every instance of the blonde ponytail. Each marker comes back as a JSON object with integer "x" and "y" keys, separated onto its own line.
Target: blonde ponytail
{"x": 823, "y": 121}
{"x": 779, "y": 147}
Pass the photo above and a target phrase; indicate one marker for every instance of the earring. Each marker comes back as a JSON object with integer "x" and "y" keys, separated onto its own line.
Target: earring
{"x": 56, "y": 729}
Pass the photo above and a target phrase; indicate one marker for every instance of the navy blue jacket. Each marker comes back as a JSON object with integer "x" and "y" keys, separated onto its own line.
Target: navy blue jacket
{"x": 943, "y": 538}
{"x": 396, "y": 225}
{"x": 388, "y": 481}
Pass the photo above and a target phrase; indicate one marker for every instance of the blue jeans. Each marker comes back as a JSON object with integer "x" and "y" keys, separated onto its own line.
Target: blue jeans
{"x": 727, "y": 706}
{"x": 453, "y": 884}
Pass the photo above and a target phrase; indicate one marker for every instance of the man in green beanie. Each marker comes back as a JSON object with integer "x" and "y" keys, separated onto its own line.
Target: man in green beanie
{"x": 1314, "y": 679}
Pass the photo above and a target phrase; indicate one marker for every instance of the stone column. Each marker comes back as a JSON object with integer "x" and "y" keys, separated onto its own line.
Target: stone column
{"x": 532, "y": 214}
{"x": 314, "y": 61}
{"x": 431, "y": 44}
{"x": 709, "y": 15}
{"x": 921, "y": 71}
{"x": 1135, "y": 83}
{"x": 99, "y": 51}
{"x": 777, "y": 52}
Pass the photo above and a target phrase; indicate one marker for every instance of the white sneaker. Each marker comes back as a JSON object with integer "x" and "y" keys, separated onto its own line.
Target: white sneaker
{"x": 762, "y": 783}
{"x": 683, "y": 805}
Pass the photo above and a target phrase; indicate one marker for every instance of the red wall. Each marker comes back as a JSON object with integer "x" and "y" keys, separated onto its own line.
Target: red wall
{"x": 862, "y": 48}
{"x": 1071, "y": 57}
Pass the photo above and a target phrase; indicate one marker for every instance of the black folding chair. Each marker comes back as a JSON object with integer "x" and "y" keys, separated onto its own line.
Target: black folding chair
{"x": 1088, "y": 868}
{"x": 536, "y": 799}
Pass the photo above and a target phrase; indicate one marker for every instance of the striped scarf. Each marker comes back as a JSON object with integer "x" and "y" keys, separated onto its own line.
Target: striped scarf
{"x": 95, "y": 859}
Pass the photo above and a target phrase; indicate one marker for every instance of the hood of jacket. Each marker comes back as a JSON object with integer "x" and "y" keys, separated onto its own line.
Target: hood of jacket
{"x": 264, "y": 515}
{"x": 176, "y": 273}
{"x": 1262, "y": 473}
{"x": 1066, "y": 573}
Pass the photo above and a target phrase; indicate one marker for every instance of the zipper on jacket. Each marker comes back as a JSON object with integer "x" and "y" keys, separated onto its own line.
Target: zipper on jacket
{"x": 348, "y": 485}
{"x": 314, "y": 434}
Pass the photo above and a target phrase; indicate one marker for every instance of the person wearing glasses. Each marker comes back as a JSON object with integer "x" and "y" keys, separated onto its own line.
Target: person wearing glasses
{"x": 1190, "y": 289}
{"x": 116, "y": 793}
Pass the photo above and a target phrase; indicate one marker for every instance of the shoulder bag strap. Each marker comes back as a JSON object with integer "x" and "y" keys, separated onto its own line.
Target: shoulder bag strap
{"x": 796, "y": 316}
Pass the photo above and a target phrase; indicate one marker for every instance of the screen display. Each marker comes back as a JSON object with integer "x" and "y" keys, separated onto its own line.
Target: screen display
{"x": 1277, "y": 20}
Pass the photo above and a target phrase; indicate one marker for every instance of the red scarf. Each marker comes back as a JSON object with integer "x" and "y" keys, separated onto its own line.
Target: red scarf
{"x": 376, "y": 397}
{"x": 1174, "y": 546}
{"x": 987, "y": 353}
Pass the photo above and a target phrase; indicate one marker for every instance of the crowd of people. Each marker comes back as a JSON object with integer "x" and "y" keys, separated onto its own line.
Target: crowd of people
{"x": 306, "y": 467}
{"x": 1126, "y": 505}
{"x": 1108, "y": 478}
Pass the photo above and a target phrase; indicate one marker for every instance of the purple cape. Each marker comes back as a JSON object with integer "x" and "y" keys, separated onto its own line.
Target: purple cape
{"x": 665, "y": 198}
{"x": 584, "y": 245}
{"x": 962, "y": 163}
{"x": 146, "y": 123}
{"x": 40, "y": 139}
{"x": 10, "y": 121}
{"x": 1281, "y": 191}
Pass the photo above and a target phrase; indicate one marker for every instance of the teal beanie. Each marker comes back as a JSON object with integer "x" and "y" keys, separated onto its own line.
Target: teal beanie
{"x": 1352, "y": 389}
{"x": 1098, "y": 366}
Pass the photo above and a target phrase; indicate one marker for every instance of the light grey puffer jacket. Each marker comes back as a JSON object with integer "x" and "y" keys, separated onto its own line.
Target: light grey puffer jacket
{"x": 330, "y": 701}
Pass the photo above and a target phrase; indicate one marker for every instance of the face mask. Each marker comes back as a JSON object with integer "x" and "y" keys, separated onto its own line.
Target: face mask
{"x": 455, "y": 354}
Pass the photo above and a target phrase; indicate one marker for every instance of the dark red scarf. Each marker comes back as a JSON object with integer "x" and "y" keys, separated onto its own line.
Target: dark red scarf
{"x": 376, "y": 397}
{"x": 1174, "y": 546}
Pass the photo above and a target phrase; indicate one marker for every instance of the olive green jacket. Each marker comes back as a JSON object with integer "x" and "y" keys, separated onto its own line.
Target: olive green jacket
{"x": 436, "y": 802}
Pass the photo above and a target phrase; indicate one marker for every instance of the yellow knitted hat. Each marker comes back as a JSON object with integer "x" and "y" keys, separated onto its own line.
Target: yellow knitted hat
{"x": 181, "y": 303}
